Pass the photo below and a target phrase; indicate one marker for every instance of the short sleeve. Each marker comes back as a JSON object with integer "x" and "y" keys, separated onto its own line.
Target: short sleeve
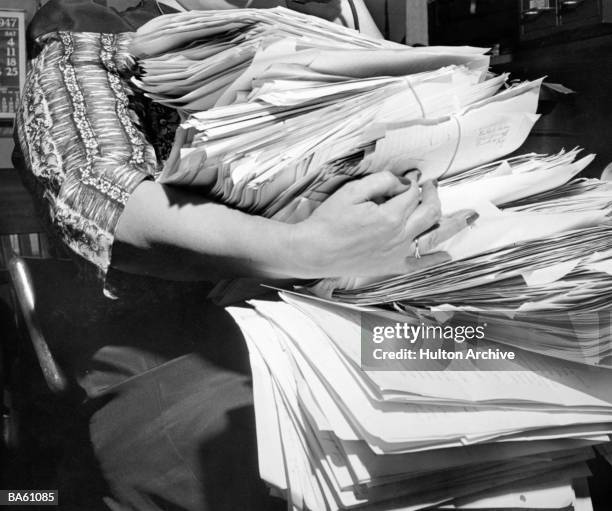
{"x": 83, "y": 147}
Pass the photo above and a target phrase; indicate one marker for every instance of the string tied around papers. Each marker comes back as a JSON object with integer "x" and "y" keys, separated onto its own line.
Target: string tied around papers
{"x": 416, "y": 97}
{"x": 456, "y": 150}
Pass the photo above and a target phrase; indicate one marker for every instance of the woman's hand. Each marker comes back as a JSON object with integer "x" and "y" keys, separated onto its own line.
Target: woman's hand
{"x": 326, "y": 9}
{"x": 369, "y": 227}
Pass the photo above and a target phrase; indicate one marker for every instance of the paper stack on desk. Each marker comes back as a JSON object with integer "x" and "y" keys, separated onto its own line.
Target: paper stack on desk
{"x": 333, "y": 436}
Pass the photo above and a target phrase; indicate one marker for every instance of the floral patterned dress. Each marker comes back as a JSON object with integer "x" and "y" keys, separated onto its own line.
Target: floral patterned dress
{"x": 88, "y": 139}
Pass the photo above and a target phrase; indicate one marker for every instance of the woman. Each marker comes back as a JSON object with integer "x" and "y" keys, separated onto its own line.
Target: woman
{"x": 165, "y": 371}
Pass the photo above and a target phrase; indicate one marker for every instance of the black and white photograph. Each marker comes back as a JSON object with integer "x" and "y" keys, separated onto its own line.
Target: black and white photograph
{"x": 306, "y": 255}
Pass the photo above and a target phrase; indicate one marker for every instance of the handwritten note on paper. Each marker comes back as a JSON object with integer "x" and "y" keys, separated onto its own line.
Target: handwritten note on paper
{"x": 503, "y": 133}
{"x": 493, "y": 134}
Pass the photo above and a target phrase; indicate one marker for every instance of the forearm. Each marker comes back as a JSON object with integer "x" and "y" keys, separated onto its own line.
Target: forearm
{"x": 170, "y": 233}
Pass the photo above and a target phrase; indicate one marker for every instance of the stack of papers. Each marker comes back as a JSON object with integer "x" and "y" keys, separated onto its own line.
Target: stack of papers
{"x": 279, "y": 111}
{"x": 282, "y": 161}
{"x": 197, "y": 58}
{"x": 537, "y": 266}
{"x": 333, "y": 436}
{"x": 189, "y": 60}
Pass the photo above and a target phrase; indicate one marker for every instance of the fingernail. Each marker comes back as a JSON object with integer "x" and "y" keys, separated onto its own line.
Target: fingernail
{"x": 405, "y": 181}
{"x": 431, "y": 229}
{"x": 414, "y": 174}
{"x": 472, "y": 218}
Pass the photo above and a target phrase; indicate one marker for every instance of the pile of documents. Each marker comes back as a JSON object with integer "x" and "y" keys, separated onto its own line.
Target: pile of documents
{"x": 303, "y": 106}
{"x": 196, "y": 59}
{"x": 537, "y": 265}
{"x": 279, "y": 111}
{"x": 333, "y": 436}
{"x": 283, "y": 164}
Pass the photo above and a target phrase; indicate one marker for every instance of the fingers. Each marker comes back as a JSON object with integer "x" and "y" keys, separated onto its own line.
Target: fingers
{"x": 427, "y": 213}
{"x": 449, "y": 226}
{"x": 372, "y": 187}
{"x": 403, "y": 205}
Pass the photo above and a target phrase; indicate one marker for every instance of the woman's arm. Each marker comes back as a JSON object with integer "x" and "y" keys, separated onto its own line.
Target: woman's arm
{"x": 172, "y": 233}
{"x": 367, "y": 228}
